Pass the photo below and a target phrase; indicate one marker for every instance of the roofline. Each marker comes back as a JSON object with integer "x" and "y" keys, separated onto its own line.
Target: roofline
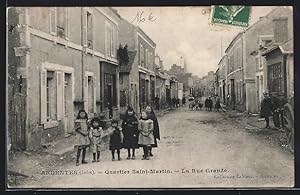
{"x": 233, "y": 40}
{"x": 144, "y": 34}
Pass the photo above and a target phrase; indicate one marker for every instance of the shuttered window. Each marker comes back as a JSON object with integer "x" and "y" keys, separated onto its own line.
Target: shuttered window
{"x": 51, "y": 96}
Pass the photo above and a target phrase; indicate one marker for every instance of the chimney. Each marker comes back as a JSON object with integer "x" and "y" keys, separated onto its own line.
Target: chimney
{"x": 280, "y": 28}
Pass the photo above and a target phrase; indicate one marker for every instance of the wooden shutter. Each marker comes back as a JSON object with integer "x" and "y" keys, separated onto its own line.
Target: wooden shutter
{"x": 107, "y": 44}
{"x": 59, "y": 94}
{"x": 112, "y": 42}
{"x": 53, "y": 20}
{"x": 85, "y": 93}
{"x": 84, "y": 26}
{"x": 67, "y": 28}
{"x": 43, "y": 97}
{"x": 94, "y": 93}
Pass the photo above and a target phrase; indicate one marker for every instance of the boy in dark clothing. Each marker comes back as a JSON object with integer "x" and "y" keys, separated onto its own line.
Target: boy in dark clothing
{"x": 275, "y": 109}
{"x": 266, "y": 109}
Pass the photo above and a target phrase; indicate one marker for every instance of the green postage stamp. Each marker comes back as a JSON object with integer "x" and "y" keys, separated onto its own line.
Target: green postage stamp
{"x": 231, "y": 15}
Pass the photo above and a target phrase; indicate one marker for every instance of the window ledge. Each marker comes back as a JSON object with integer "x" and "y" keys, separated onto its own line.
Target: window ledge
{"x": 51, "y": 124}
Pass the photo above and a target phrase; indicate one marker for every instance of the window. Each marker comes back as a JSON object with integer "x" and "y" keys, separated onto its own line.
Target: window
{"x": 51, "y": 96}
{"x": 110, "y": 40}
{"x": 123, "y": 98}
{"x": 89, "y": 28}
{"x": 275, "y": 78}
{"x": 142, "y": 56}
{"x": 59, "y": 22}
{"x": 146, "y": 59}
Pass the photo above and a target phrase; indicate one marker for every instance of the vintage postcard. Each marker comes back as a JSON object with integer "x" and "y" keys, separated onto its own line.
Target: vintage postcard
{"x": 150, "y": 97}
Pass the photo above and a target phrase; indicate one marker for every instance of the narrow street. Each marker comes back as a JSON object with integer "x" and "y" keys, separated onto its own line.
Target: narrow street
{"x": 197, "y": 149}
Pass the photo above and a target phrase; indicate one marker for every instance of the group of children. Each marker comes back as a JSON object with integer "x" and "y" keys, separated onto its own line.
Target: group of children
{"x": 132, "y": 134}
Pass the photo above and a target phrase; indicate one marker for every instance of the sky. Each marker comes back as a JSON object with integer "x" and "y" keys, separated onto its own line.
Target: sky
{"x": 187, "y": 31}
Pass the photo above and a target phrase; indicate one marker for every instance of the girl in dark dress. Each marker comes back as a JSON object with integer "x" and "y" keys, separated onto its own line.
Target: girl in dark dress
{"x": 130, "y": 131}
{"x": 156, "y": 133}
{"x": 116, "y": 139}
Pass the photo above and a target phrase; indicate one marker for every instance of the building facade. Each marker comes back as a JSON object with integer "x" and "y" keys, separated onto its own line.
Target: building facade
{"x": 59, "y": 66}
{"x": 142, "y": 67}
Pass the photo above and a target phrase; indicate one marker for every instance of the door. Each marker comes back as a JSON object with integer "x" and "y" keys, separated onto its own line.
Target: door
{"x": 109, "y": 100}
{"x": 18, "y": 122}
{"x": 232, "y": 91}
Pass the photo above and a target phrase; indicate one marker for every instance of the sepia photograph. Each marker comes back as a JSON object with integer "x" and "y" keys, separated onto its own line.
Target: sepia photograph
{"x": 150, "y": 97}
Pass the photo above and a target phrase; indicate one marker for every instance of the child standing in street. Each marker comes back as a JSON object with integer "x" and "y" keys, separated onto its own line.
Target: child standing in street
{"x": 82, "y": 139}
{"x": 130, "y": 131}
{"x": 116, "y": 139}
{"x": 146, "y": 138}
{"x": 96, "y": 135}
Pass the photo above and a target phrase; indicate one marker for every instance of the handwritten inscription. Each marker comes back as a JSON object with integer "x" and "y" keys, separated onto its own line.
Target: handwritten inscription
{"x": 141, "y": 17}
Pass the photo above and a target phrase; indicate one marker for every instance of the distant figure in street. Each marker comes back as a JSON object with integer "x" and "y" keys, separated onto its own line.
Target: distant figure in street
{"x": 174, "y": 102}
{"x": 156, "y": 100}
{"x": 183, "y": 102}
{"x": 228, "y": 99}
{"x": 116, "y": 139}
{"x": 96, "y": 135}
{"x": 130, "y": 131}
{"x": 206, "y": 104}
{"x": 146, "y": 137}
{"x": 218, "y": 104}
{"x": 266, "y": 109}
{"x": 282, "y": 102}
{"x": 275, "y": 109}
{"x": 82, "y": 139}
{"x": 177, "y": 103}
{"x": 210, "y": 103}
{"x": 156, "y": 133}
{"x": 200, "y": 104}
{"x": 196, "y": 103}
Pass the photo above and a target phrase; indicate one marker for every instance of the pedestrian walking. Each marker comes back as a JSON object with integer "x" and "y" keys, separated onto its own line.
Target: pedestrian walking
{"x": 156, "y": 100}
{"x": 116, "y": 139}
{"x": 206, "y": 104}
{"x": 282, "y": 102}
{"x": 200, "y": 104}
{"x": 266, "y": 109}
{"x": 228, "y": 99}
{"x": 96, "y": 136}
{"x": 177, "y": 102}
{"x": 196, "y": 103}
{"x": 130, "y": 132}
{"x": 146, "y": 137}
{"x": 218, "y": 104}
{"x": 82, "y": 139}
{"x": 183, "y": 101}
{"x": 275, "y": 109}
{"x": 174, "y": 102}
{"x": 210, "y": 104}
{"x": 156, "y": 133}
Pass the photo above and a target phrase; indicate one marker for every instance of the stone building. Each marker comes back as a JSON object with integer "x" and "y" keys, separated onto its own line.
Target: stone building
{"x": 274, "y": 55}
{"x": 60, "y": 60}
{"x": 245, "y": 81}
{"x": 141, "y": 76}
